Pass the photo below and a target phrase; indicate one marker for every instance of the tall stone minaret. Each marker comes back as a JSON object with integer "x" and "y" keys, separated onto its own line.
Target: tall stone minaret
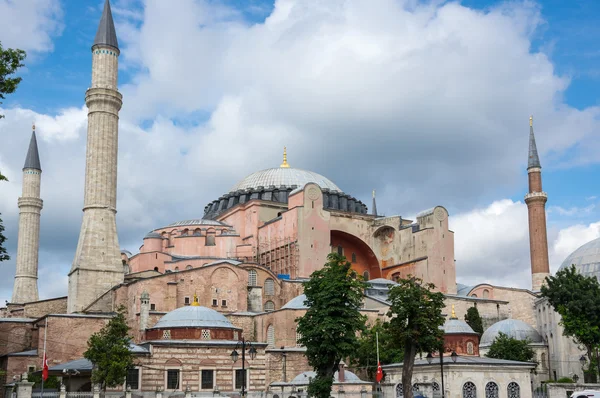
{"x": 30, "y": 207}
{"x": 97, "y": 266}
{"x": 536, "y": 207}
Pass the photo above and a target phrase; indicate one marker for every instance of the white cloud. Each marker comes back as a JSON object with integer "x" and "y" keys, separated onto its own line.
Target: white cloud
{"x": 492, "y": 244}
{"x": 428, "y": 104}
{"x": 30, "y": 25}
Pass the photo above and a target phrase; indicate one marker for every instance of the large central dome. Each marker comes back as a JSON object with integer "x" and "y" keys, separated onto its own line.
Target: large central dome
{"x": 586, "y": 259}
{"x": 284, "y": 176}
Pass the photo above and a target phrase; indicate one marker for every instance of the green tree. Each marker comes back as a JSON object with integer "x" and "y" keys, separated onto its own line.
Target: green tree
{"x": 329, "y": 328}
{"x": 415, "y": 319}
{"x": 474, "y": 320}
{"x": 10, "y": 61}
{"x": 365, "y": 357}
{"x": 505, "y": 347}
{"x": 577, "y": 299}
{"x": 52, "y": 383}
{"x": 3, "y": 253}
{"x": 108, "y": 350}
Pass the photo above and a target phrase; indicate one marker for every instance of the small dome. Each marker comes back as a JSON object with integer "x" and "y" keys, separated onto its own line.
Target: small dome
{"x": 512, "y": 328}
{"x": 152, "y": 235}
{"x": 304, "y": 377}
{"x": 586, "y": 259}
{"x": 284, "y": 176}
{"x": 297, "y": 303}
{"x": 193, "y": 316}
{"x": 457, "y": 326}
{"x": 381, "y": 281}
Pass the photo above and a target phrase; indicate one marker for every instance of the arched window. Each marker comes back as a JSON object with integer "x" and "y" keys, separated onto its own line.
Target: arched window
{"x": 271, "y": 336}
{"x": 486, "y": 293}
{"x": 366, "y": 275}
{"x": 491, "y": 390}
{"x": 399, "y": 390}
{"x": 436, "y": 388}
{"x": 156, "y": 269}
{"x": 197, "y": 232}
{"x": 269, "y": 306}
{"x": 188, "y": 267}
{"x": 210, "y": 238}
{"x": 185, "y": 232}
{"x": 340, "y": 250}
{"x": 298, "y": 337}
{"x": 470, "y": 348}
{"x": 469, "y": 390}
{"x": 269, "y": 287}
{"x": 474, "y": 295}
{"x": 353, "y": 257}
{"x": 513, "y": 390}
{"x": 415, "y": 387}
{"x": 176, "y": 269}
{"x": 252, "y": 278}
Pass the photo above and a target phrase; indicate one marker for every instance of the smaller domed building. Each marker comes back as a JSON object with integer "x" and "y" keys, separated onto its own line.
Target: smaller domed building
{"x": 459, "y": 337}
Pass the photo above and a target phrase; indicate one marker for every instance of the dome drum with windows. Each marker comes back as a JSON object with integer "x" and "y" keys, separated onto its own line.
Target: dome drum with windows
{"x": 193, "y": 322}
{"x": 277, "y": 184}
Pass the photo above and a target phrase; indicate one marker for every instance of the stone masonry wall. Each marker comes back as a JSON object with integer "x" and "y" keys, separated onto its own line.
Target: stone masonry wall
{"x": 16, "y": 337}
{"x": 38, "y": 309}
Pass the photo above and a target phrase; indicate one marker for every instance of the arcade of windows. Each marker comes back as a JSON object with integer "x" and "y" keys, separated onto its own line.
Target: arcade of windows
{"x": 469, "y": 390}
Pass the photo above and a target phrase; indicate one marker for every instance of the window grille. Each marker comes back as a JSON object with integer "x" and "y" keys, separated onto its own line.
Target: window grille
{"x": 469, "y": 390}
{"x": 353, "y": 257}
{"x": 271, "y": 336}
{"x": 207, "y": 381}
{"x": 252, "y": 278}
{"x": 399, "y": 390}
{"x": 513, "y": 390}
{"x": 240, "y": 377}
{"x": 298, "y": 337}
{"x": 269, "y": 306}
{"x": 366, "y": 275}
{"x": 470, "y": 348}
{"x": 491, "y": 390}
{"x": 166, "y": 334}
{"x": 269, "y": 287}
{"x": 133, "y": 378}
{"x": 173, "y": 379}
{"x": 205, "y": 334}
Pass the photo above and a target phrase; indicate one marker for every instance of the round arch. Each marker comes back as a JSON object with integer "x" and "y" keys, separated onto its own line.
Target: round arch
{"x": 348, "y": 244}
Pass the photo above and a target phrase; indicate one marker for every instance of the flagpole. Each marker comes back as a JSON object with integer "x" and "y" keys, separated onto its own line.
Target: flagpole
{"x": 378, "y": 365}
{"x": 44, "y": 357}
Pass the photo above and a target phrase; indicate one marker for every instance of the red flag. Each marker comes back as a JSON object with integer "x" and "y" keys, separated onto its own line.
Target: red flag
{"x": 379, "y": 374}
{"x": 45, "y": 368}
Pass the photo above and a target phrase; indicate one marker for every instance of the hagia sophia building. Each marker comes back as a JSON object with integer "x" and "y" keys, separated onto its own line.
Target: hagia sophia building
{"x": 197, "y": 287}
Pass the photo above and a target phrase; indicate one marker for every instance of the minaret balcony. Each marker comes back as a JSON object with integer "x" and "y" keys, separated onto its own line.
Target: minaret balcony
{"x": 532, "y": 195}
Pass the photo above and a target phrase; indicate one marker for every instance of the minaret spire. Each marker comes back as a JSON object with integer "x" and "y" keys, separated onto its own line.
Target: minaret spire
{"x": 106, "y": 34}
{"x": 97, "y": 265}
{"x": 534, "y": 160}
{"x": 285, "y": 163}
{"x": 536, "y": 207}
{"x": 30, "y": 206}
{"x": 374, "y": 208}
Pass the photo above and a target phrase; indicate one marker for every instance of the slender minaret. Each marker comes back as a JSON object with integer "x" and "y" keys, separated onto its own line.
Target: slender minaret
{"x": 97, "y": 266}
{"x": 374, "y": 208}
{"x": 536, "y": 207}
{"x": 30, "y": 207}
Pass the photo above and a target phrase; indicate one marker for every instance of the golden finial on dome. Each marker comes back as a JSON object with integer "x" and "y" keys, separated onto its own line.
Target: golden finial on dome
{"x": 195, "y": 303}
{"x": 285, "y": 163}
{"x": 531, "y": 121}
{"x": 453, "y": 313}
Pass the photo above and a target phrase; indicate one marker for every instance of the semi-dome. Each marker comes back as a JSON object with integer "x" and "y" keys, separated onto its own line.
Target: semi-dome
{"x": 586, "y": 259}
{"x": 286, "y": 177}
{"x": 512, "y": 328}
{"x": 297, "y": 303}
{"x": 193, "y": 316}
{"x": 153, "y": 235}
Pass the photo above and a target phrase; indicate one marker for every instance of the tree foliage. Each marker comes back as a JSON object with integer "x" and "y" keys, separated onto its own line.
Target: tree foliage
{"x": 415, "y": 319}
{"x": 108, "y": 350}
{"x": 577, "y": 299}
{"x": 329, "y": 328}
{"x": 52, "y": 383}
{"x": 365, "y": 357}
{"x": 3, "y": 253}
{"x": 10, "y": 61}
{"x": 473, "y": 319}
{"x": 505, "y": 347}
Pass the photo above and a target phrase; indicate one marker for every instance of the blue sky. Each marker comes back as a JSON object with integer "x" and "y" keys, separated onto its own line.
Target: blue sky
{"x": 426, "y": 102}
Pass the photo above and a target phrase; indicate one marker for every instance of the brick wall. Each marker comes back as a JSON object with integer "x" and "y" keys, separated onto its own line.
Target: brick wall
{"x": 38, "y": 309}
{"x": 16, "y": 337}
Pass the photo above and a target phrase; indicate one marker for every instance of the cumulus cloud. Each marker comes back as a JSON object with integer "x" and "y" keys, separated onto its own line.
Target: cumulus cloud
{"x": 492, "y": 244}
{"x": 30, "y": 25}
{"x": 427, "y": 103}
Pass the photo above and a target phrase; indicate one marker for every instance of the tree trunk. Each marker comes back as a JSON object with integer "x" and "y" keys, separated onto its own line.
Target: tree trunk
{"x": 410, "y": 351}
